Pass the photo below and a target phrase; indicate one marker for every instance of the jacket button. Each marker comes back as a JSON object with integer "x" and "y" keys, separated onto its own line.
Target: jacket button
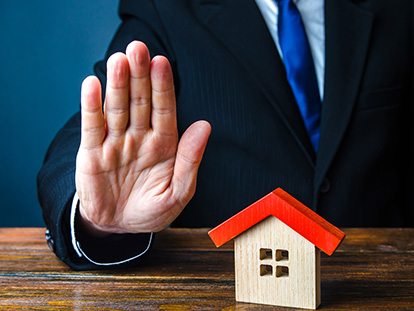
{"x": 49, "y": 240}
{"x": 325, "y": 186}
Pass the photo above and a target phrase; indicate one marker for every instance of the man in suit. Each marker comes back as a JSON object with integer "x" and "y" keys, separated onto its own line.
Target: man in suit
{"x": 136, "y": 167}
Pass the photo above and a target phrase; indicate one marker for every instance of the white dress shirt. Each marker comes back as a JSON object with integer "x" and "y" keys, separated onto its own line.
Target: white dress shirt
{"x": 312, "y": 13}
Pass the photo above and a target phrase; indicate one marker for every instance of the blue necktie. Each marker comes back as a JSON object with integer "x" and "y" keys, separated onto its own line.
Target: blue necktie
{"x": 299, "y": 66}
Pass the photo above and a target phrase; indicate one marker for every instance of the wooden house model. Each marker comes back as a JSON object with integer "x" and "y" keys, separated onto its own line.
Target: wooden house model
{"x": 277, "y": 258}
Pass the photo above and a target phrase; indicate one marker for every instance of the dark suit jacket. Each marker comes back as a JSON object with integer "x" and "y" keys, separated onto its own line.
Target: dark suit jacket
{"x": 228, "y": 71}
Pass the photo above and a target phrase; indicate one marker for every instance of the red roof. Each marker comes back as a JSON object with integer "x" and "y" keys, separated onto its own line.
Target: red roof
{"x": 291, "y": 212}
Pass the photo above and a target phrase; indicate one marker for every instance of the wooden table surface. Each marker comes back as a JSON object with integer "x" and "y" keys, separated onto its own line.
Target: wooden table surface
{"x": 373, "y": 269}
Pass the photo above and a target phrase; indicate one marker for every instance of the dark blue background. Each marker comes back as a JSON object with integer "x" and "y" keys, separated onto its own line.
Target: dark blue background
{"x": 46, "y": 49}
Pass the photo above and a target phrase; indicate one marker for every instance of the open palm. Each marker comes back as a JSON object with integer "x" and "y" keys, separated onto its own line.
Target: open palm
{"x": 133, "y": 174}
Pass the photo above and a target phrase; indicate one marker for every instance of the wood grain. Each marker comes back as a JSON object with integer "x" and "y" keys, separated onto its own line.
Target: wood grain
{"x": 298, "y": 286}
{"x": 373, "y": 269}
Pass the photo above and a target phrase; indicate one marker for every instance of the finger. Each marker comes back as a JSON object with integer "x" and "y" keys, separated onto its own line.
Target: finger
{"x": 163, "y": 113}
{"x": 140, "y": 86}
{"x": 189, "y": 154}
{"x": 117, "y": 95}
{"x": 93, "y": 123}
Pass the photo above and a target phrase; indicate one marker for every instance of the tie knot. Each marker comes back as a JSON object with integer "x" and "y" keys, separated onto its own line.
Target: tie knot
{"x": 282, "y": 1}
{"x": 286, "y": 5}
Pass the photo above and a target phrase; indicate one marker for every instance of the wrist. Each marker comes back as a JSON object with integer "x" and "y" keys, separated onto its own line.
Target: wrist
{"x": 87, "y": 227}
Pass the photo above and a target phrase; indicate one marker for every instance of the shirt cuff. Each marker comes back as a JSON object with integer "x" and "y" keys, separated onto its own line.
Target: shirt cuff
{"x": 144, "y": 241}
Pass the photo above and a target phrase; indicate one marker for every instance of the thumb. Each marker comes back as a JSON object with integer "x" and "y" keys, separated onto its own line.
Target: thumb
{"x": 189, "y": 154}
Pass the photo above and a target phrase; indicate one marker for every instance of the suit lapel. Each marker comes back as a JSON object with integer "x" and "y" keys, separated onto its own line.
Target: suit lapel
{"x": 348, "y": 30}
{"x": 240, "y": 27}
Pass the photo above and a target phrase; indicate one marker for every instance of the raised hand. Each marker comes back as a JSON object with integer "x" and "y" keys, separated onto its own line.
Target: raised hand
{"x": 132, "y": 173}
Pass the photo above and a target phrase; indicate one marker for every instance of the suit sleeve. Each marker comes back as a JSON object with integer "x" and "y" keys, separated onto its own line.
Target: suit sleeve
{"x": 56, "y": 178}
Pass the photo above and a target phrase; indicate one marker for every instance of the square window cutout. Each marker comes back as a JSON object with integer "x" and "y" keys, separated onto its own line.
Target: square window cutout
{"x": 265, "y": 253}
{"x": 266, "y": 270}
{"x": 282, "y": 271}
{"x": 282, "y": 254}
